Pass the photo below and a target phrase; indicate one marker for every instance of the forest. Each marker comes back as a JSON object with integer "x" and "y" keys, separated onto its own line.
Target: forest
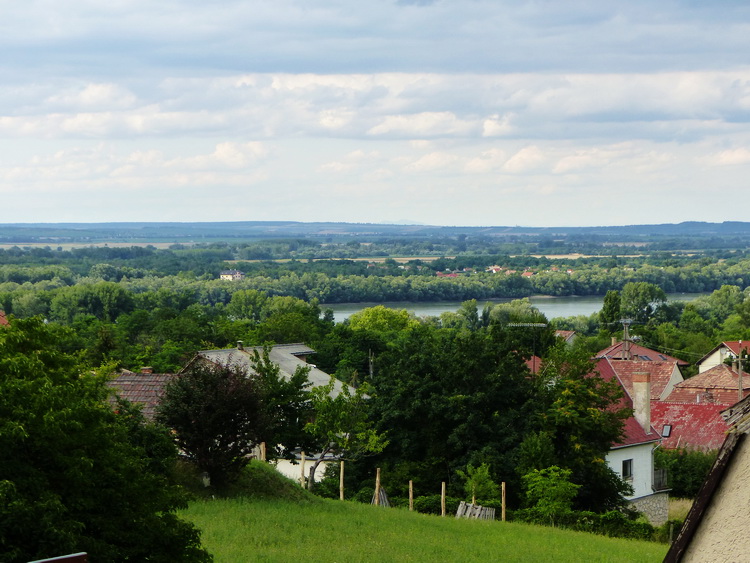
{"x": 450, "y": 397}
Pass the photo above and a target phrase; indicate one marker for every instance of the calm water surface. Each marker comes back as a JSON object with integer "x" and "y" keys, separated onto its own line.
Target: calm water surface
{"x": 551, "y": 306}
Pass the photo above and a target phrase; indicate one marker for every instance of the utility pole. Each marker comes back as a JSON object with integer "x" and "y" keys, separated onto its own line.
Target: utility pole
{"x": 626, "y": 339}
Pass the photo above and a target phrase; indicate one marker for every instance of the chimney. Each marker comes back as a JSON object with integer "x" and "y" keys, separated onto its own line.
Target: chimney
{"x": 240, "y": 345}
{"x": 614, "y": 340}
{"x": 147, "y": 370}
{"x": 642, "y": 399}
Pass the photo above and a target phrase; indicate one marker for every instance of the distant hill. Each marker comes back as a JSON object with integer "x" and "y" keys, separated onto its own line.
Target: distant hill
{"x": 57, "y": 233}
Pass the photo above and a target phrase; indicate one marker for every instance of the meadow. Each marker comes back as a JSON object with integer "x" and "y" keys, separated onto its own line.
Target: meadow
{"x": 241, "y": 529}
{"x": 269, "y": 518}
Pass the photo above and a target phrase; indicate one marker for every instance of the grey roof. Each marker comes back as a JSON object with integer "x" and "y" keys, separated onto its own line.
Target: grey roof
{"x": 286, "y": 356}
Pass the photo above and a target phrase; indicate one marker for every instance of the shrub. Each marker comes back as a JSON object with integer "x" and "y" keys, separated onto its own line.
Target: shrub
{"x": 687, "y": 469}
{"x": 431, "y": 504}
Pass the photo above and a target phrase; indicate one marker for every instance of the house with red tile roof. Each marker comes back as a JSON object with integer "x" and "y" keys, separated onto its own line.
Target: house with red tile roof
{"x": 144, "y": 388}
{"x": 629, "y": 350}
{"x": 721, "y": 353}
{"x": 3, "y": 319}
{"x": 632, "y": 457}
{"x": 664, "y": 375}
{"x": 697, "y": 426}
{"x": 718, "y": 385}
{"x": 567, "y": 336}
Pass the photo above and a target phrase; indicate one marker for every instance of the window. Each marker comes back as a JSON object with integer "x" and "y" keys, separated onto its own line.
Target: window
{"x": 627, "y": 469}
{"x": 666, "y": 431}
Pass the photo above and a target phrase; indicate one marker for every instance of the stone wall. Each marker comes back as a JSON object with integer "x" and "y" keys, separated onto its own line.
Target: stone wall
{"x": 654, "y": 507}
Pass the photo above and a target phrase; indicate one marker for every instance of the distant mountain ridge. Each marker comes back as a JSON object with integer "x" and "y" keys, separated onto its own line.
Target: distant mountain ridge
{"x": 200, "y": 231}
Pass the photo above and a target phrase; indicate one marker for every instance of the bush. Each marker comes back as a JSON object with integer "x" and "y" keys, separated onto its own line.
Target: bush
{"x": 431, "y": 504}
{"x": 614, "y": 523}
{"x": 687, "y": 469}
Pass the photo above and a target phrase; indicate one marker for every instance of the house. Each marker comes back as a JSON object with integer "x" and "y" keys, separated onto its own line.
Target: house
{"x": 718, "y": 385}
{"x": 696, "y": 426}
{"x": 632, "y": 458}
{"x": 3, "y": 319}
{"x": 715, "y": 529}
{"x": 144, "y": 388}
{"x": 664, "y": 375}
{"x": 231, "y": 275}
{"x": 629, "y": 350}
{"x": 567, "y": 336}
{"x": 721, "y": 353}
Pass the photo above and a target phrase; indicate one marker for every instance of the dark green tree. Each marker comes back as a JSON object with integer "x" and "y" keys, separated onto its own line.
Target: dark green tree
{"x": 218, "y": 416}
{"x": 76, "y": 475}
{"x": 609, "y": 316}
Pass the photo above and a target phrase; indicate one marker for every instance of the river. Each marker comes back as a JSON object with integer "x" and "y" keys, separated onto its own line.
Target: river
{"x": 551, "y": 306}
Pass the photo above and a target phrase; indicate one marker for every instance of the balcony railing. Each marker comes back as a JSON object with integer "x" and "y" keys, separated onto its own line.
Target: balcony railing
{"x": 661, "y": 480}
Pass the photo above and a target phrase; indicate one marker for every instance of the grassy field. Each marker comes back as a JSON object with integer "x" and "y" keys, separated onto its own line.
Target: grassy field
{"x": 298, "y": 526}
{"x": 237, "y": 530}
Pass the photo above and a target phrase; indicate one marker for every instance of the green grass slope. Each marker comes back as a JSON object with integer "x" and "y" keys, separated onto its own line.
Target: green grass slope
{"x": 260, "y": 527}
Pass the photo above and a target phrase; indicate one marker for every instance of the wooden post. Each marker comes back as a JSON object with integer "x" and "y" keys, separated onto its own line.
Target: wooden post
{"x": 302, "y": 471}
{"x": 502, "y": 513}
{"x": 263, "y": 451}
{"x": 411, "y": 495}
{"x": 341, "y": 481}
{"x": 377, "y": 487}
{"x": 442, "y": 500}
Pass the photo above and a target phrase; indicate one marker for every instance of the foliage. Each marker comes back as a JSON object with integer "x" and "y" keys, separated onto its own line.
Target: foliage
{"x": 478, "y": 482}
{"x": 549, "y": 492}
{"x": 218, "y": 416}
{"x": 432, "y": 504}
{"x": 341, "y": 424}
{"x": 687, "y": 469}
{"x": 76, "y": 475}
{"x": 287, "y": 403}
{"x": 613, "y": 523}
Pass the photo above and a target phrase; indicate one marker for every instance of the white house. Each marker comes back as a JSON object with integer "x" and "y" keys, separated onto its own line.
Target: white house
{"x": 231, "y": 275}
{"x": 721, "y": 353}
{"x": 633, "y": 457}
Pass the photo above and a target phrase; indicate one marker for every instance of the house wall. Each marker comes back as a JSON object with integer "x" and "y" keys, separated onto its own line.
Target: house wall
{"x": 674, "y": 379}
{"x": 715, "y": 359}
{"x": 293, "y": 471}
{"x": 643, "y": 464}
{"x": 722, "y": 534}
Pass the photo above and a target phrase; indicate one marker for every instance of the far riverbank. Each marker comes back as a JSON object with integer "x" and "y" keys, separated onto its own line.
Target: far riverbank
{"x": 551, "y": 307}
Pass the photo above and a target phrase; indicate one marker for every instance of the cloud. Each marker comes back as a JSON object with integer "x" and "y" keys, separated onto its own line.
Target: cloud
{"x": 528, "y": 158}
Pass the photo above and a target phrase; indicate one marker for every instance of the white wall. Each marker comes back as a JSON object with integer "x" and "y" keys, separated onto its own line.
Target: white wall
{"x": 643, "y": 466}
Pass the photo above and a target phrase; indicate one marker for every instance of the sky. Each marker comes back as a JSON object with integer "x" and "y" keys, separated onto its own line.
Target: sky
{"x": 439, "y": 112}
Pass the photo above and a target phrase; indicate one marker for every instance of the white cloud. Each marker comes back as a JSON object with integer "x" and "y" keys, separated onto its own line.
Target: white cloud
{"x": 528, "y": 158}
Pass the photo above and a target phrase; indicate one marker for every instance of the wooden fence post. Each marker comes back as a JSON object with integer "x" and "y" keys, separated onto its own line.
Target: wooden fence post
{"x": 377, "y": 487}
{"x": 263, "y": 451}
{"x": 411, "y": 495}
{"x": 341, "y": 481}
{"x": 302, "y": 471}
{"x": 502, "y": 514}
{"x": 442, "y": 500}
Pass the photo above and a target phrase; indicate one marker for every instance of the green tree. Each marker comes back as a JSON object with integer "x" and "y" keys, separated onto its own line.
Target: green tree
{"x": 75, "y": 474}
{"x": 609, "y": 316}
{"x": 218, "y": 416}
{"x": 640, "y": 300}
{"x": 550, "y": 492}
{"x": 478, "y": 483}
{"x": 341, "y": 425}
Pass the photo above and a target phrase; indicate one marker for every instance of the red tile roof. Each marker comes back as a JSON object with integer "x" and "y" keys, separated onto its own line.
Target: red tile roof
{"x": 638, "y": 352}
{"x": 717, "y": 385}
{"x": 141, "y": 388}
{"x": 3, "y": 319}
{"x": 696, "y": 426}
{"x": 534, "y": 363}
{"x": 661, "y": 373}
{"x": 632, "y": 431}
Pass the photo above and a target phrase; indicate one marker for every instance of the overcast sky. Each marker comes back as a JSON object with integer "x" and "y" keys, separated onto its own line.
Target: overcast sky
{"x": 445, "y": 112}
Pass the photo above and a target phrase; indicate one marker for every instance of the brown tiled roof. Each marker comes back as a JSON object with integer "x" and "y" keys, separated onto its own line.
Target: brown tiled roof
{"x": 144, "y": 389}
{"x": 3, "y": 319}
{"x": 661, "y": 373}
{"x": 565, "y": 334}
{"x": 632, "y": 431}
{"x": 716, "y": 385}
{"x": 696, "y": 426}
{"x": 638, "y": 352}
